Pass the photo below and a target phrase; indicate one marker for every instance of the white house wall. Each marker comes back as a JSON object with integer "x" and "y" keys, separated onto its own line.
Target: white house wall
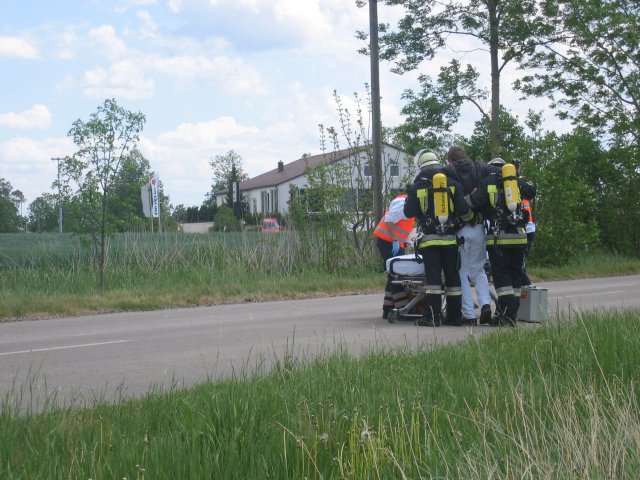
{"x": 254, "y": 196}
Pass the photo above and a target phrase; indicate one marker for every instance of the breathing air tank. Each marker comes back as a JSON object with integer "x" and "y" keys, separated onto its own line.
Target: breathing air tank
{"x": 440, "y": 198}
{"x": 510, "y": 185}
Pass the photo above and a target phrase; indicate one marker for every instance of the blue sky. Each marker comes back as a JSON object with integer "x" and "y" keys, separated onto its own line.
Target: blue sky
{"x": 253, "y": 76}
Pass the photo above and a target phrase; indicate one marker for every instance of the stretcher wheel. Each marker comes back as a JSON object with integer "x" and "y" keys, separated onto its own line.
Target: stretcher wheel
{"x": 393, "y": 316}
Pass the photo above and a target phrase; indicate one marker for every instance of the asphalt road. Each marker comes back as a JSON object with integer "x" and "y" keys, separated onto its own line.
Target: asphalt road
{"x": 112, "y": 356}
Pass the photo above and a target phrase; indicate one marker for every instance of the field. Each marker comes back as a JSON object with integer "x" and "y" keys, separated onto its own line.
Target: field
{"x": 560, "y": 401}
{"x": 52, "y": 274}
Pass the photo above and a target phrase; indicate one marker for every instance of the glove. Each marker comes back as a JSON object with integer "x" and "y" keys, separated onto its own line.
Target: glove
{"x": 395, "y": 249}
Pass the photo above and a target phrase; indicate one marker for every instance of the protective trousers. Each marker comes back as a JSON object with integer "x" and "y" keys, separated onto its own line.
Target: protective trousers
{"x": 473, "y": 256}
{"x": 506, "y": 269}
{"x": 440, "y": 260}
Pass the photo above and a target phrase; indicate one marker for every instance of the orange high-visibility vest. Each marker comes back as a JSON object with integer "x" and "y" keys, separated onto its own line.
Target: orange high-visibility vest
{"x": 527, "y": 207}
{"x": 401, "y": 229}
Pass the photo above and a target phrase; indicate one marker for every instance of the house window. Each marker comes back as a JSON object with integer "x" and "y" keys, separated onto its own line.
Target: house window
{"x": 394, "y": 169}
{"x": 366, "y": 170}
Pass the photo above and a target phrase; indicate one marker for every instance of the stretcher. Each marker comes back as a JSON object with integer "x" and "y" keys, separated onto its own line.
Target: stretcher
{"x": 406, "y": 272}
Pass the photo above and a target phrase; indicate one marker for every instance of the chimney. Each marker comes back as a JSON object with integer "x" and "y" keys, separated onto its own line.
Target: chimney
{"x": 280, "y": 166}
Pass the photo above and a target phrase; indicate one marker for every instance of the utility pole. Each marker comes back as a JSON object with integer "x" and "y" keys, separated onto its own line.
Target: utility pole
{"x": 376, "y": 174}
{"x": 58, "y": 159}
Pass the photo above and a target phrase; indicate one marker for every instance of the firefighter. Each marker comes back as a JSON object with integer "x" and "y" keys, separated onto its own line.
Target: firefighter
{"x": 391, "y": 236}
{"x": 498, "y": 198}
{"x": 438, "y": 204}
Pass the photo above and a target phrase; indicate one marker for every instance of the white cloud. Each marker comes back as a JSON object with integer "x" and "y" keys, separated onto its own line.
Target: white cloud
{"x": 218, "y": 133}
{"x": 67, "y": 44}
{"x": 27, "y": 163}
{"x": 122, "y": 80}
{"x": 232, "y": 75}
{"x": 37, "y": 116}
{"x": 15, "y": 47}
{"x": 105, "y": 37}
{"x": 175, "y": 6}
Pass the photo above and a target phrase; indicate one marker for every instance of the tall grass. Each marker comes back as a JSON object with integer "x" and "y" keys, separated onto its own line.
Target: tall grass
{"x": 559, "y": 401}
{"x": 54, "y": 273}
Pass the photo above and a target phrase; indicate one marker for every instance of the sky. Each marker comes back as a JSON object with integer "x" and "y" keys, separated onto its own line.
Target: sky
{"x": 210, "y": 76}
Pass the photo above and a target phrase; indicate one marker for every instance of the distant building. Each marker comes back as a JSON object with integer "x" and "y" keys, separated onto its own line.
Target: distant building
{"x": 269, "y": 192}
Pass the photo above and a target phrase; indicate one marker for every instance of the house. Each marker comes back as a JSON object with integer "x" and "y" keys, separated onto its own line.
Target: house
{"x": 270, "y": 192}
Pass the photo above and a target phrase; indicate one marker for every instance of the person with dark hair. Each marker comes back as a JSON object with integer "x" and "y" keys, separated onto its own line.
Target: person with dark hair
{"x": 473, "y": 252}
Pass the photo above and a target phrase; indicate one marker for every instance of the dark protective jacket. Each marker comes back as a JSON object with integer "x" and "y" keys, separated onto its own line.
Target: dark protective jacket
{"x": 469, "y": 173}
{"x": 505, "y": 228}
{"x": 420, "y": 204}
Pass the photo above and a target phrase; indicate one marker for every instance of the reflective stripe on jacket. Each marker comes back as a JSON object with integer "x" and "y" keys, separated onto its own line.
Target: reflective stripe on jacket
{"x": 503, "y": 239}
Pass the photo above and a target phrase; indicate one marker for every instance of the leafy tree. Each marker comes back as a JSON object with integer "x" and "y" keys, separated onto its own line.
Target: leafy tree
{"x": 506, "y": 29}
{"x": 225, "y": 221}
{"x": 9, "y": 218}
{"x": 513, "y": 138}
{"x": 105, "y": 142}
{"x": 591, "y": 69}
{"x": 43, "y": 213}
{"x": 227, "y": 169}
{"x": 125, "y": 204}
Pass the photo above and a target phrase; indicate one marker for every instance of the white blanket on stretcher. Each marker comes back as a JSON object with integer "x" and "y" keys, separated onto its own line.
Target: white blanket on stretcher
{"x": 405, "y": 265}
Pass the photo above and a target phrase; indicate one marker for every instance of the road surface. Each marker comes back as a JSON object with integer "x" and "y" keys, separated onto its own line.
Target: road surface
{"x": 111, "y": 356}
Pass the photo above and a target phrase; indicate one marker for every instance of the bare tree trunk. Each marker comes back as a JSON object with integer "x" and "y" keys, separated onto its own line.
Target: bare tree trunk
{"x": 103, "y": 234}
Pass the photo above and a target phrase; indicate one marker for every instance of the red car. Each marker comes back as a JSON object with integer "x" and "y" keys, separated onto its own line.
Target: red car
{"x": 270, "y": 225}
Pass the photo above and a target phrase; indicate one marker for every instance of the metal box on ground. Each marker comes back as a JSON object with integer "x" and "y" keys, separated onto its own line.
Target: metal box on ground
{"x": 533, "y": 304}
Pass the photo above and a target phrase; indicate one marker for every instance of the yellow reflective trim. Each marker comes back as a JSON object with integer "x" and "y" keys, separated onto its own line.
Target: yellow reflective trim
{"x": 422, "y": 197}
{"x": 493, "y": 194}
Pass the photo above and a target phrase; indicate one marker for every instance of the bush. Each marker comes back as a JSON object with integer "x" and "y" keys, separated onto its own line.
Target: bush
{"x": 225, "y": 221}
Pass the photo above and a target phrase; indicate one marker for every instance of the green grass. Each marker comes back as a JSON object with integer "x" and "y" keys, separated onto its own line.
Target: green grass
{"x": 51, "y": 274}
{"x": 558, "y": 401}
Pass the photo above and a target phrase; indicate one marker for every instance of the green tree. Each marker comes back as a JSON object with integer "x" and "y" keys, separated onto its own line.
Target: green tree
{"x": 105, "y": 142}
{"x": 227, "y": 169}
{"x": 225, "y": 221}
{"x": 43, "y": 213}
{"x": 125, "y": 204}
{"x": 591, "y": 69}
{"x": 9, "y": 217}
{"x": 506, "y": 29}
{"x": 513, "y": 138}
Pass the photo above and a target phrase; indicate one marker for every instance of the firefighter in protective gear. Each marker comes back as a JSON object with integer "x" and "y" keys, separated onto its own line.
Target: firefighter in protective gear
{"x": 437, "y": 203}
{"x": 498, "y": 198}
{"x": 426, "y": 159}
{"x": 391, "y": 236}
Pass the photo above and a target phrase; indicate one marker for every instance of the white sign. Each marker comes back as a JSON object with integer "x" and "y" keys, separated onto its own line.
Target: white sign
{"x": 155, "y": 209}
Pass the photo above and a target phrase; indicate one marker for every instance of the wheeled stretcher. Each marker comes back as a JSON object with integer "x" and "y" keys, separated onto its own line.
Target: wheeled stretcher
{"x": 406, "y": 273}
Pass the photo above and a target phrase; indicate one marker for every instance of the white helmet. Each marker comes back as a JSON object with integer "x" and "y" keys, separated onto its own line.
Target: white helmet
{"x": 497, "y": 161}
{"x": 426, "y": 157}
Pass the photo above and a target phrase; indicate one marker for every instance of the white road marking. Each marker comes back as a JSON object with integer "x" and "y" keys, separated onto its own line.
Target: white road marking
{"x": 63, "y": 348}
{"x": 592, "y": 294}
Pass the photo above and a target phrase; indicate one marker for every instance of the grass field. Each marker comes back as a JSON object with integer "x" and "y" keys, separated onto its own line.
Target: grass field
{"x": 52, "y": 274}
{"x": 559, "y": 401}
